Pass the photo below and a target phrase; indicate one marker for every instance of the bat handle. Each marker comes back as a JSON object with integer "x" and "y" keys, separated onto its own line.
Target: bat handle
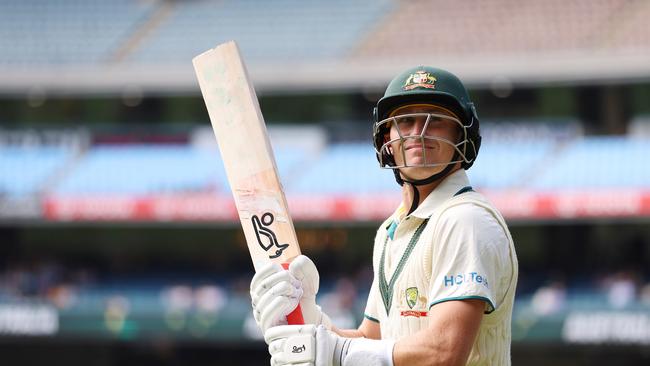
{"x": 294, "y": 317}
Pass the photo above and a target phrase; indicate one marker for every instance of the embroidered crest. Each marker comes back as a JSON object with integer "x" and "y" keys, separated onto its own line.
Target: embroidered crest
{"x": 411, "y": 296}
{"x": 420, "y": 79}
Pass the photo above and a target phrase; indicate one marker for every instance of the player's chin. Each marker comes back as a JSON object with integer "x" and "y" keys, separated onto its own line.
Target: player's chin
{"x": 420, "y": 172}
{"x": 424, "y": 163}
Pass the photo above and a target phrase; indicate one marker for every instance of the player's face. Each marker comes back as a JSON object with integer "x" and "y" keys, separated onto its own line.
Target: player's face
{"x": 422, "y": 138}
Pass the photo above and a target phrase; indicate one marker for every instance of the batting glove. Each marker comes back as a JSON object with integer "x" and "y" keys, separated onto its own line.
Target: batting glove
{"x": 275, "y": 293}
{"x": 310, "y": 345}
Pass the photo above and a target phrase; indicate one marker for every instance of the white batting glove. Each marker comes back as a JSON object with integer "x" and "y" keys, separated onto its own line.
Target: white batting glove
{"x": 304, "y": 270}
{"x": 275, "y": 293}
{"x": 310, "y": 345}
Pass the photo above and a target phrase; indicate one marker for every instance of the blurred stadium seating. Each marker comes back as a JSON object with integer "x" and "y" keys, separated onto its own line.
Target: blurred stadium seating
{"x": 302, "y": 30}
{"x": 66, "y": 32}
{"x": 336, "y": 44}
{"x": 142, "y": 169}
{"x": 597, "y": 162}
{"x": 345, "y": 168}
{"x": 498, "y": 27}
{"x": 30, "y": 170}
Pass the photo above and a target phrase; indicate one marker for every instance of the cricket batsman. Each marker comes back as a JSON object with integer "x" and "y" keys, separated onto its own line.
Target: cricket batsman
{"x": 445, "y": 268}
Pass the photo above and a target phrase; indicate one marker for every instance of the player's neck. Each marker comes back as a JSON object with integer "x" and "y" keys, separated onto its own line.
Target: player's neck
{"x": 423, "y": 190}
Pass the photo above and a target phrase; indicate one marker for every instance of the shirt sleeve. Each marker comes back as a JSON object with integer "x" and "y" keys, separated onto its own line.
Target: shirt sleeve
{"x": 374, "y": 303}
{"x": 467, "y": 261}
{"x": 372, "y": 306}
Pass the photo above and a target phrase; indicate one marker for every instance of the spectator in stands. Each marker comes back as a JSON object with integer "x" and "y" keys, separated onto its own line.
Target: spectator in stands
{"x": 644, "y": 294}
{"x": 340, "y": 303}
{"x": 445, "y": 268}
{"x": 550, "y": 298}
{"x": 622, "y": 287}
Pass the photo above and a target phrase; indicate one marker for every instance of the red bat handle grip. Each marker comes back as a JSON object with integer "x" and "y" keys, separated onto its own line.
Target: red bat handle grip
{"x": 294, "y": 317}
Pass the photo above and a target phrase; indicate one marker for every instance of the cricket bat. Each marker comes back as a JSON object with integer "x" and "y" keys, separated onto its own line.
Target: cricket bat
{"x": 247, "y": 157}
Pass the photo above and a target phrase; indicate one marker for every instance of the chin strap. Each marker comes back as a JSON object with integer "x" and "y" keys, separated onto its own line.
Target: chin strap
{"x": 421, "y": 182}
{"x": 416, "y": 198}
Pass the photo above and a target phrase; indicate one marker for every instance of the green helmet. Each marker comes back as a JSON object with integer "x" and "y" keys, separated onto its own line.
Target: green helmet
{"x": 430, "y": 85}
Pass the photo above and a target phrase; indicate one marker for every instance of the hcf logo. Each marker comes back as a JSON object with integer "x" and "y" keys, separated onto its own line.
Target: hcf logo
{"x": 462, "y": 278}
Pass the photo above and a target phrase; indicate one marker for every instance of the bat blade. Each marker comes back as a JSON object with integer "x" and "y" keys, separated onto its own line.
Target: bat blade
{"x": 247, "y": 155}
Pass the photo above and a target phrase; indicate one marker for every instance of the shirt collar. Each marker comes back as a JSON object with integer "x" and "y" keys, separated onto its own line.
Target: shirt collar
{"x": 445, "y": 190}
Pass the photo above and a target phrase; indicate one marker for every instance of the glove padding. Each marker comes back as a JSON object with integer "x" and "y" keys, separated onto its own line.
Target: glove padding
{"x": 310, "y": 345}
{"x": 275, "y": 293}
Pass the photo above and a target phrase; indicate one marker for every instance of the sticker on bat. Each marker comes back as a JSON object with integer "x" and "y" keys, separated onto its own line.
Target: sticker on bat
{"x": 265, "y": 234}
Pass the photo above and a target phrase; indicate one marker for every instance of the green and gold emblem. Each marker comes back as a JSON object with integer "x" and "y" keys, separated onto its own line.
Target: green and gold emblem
{"x": 411, "y": 296}
{"x": 420, "y": 79}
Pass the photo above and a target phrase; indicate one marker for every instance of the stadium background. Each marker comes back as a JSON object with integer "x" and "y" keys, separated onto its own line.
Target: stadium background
{"x": 119, "y": 243}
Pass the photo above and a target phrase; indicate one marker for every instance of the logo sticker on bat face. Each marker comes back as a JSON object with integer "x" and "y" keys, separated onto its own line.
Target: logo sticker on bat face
{"x": 265, "y": 236}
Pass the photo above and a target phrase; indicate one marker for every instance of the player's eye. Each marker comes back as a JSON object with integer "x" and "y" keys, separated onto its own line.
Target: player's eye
{"x": 435, "y": 122}
{"x": 408, "y": 120}
{"x": 406, "y": 123}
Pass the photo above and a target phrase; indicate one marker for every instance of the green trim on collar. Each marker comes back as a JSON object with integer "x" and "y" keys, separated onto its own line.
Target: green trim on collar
{"x": 386, "y": 288}
{"x": 491, "y": 305}
{"x": 447, "y": 188}
{"x": 463, "y": 190}
{"x": 370, "y": 318}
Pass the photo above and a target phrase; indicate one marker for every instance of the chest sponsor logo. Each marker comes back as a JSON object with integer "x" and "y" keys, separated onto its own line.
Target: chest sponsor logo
{"x": 412, "y": 297}
{"x": 414, "y": 313}
{"x": 459, "y": 279}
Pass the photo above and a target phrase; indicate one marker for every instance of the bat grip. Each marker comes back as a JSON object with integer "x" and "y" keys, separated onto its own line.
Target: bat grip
{"x": 294, "y": 317}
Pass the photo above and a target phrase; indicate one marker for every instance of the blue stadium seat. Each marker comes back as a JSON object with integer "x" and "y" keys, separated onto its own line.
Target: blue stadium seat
{"x": 25, "y": 171}
{"x": 347, "y": 168}
{"x": 507, "y": 165}
{"x": 598, "y": 162}
{"x": 285, "y": 30}
{"x": 63, "y": 32}
{"x": 155, "y": 169}
{"x": 143, "y": 169}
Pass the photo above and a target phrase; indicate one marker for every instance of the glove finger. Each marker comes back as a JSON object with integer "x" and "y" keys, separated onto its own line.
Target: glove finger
{"x": 276, "y": 346}
{"x": 302, "y": 265}
{"x": 282, "y": 289}
{"x": 275, "y": 333}
{"x": 256, "y": 316}
{"x": 304, "y": 270}
{"x": 267, "y": 283}
{"x": 280, "y": 362}
{"x": 277, "y": 361}
{"x": 264, "y": 272}
{"x": 276, "y": 313}
{"x": 285, "y": 331}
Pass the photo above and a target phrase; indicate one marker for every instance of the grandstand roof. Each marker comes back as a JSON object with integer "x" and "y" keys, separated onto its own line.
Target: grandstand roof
{"x": 96, "y": 46}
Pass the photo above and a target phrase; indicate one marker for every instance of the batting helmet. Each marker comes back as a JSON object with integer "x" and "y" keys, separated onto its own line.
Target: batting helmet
{"x": 428, "y": 85}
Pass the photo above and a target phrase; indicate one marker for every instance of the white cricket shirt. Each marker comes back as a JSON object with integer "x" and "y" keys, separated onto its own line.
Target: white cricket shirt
{"x": 454, "y": 246}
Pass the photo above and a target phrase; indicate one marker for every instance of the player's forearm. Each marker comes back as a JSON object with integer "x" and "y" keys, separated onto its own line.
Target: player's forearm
{"x": 447, "y": 341}
{"x": 416, "y": 350}
{"x": 367, "y": 329}
{"x": 421, "y": 349}
{"x": 351, "y": 333}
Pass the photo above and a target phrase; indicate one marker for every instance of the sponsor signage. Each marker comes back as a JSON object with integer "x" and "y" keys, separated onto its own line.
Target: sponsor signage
{"x": 514, "y": 205}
